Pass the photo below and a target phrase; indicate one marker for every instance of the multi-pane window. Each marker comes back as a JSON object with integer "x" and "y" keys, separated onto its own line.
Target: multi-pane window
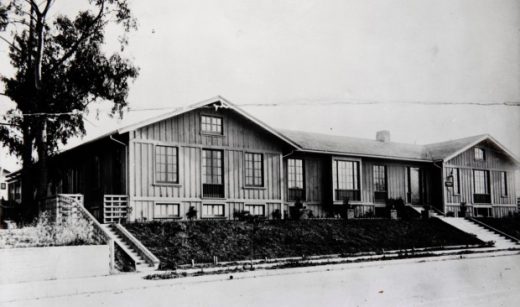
{"x": 254, "y": 169}
{"x": 166, "y": 164}
{"x": 503, "y": 183}
{"x": 212, "y": 210}
{"x": 295, "y": 173}
{"x": 480, "y": 154}
{"x": 166, "y": 210}
{"x": 211, "y": 166}
{"x": 454, "y": 173}
{"x": 346, "y": 180}
{"x": 481, "y": 181}
{"x": 211, "y": 124}
{"x": 380, "y": 178}
{"x": 347, "y": 175}
{"x": 255, "y": 209}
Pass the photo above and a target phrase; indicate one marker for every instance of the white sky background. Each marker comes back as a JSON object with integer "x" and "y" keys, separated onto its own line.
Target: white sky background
{"x": 288, "y": 52}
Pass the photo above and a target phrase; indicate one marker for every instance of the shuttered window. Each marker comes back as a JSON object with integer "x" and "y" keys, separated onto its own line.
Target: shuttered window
{"x": 503, "y": 183}
{"x": 254, "y": 169}
{"x": 454, "y": 173}
{"x": 166, "y": 164}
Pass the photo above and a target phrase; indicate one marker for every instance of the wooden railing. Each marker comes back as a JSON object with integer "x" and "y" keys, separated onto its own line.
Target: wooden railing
{"x": 115, "y": 208}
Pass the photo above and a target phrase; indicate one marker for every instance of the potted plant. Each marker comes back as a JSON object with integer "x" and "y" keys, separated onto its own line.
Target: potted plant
{"x": 391, "y": 206}
{"x": 463, "y": 209}
{"x": 427, "y": 211}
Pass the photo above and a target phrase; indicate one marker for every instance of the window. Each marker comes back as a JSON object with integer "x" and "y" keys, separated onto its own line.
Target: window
{"x": 455, "y": 179}
{"x": 379, "y": 183}
{"x": 213, "y": 210}
{"x": 211, "y": 124}
{"x": 295, "y": 179}
{"x": 166, "y": 164}
{"x": 480, "y": 155}
{"x": 346, "y": 180}
{"x": 258, "y": 210}
{"x": 481, "y": 186}
{"x": 503, "y": 183}
{"x": 3, "y": 186}
{"x": 254, "y": 169}
{"x": 166, "y": 211}
{"x": 212, "y": 174}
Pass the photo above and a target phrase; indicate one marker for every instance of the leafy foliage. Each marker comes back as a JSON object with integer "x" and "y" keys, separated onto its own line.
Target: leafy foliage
{"x": 46, "y": 233}
{"x": 60, "y": 68}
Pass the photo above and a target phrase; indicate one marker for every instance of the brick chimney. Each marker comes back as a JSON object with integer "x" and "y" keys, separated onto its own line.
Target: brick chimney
{"x": 383, "y": 136}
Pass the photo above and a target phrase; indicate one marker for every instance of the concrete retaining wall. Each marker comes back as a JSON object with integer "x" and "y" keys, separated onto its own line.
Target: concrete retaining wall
{"x": 42, "y": 263}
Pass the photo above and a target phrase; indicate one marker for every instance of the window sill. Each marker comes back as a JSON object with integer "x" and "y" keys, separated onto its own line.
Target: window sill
{"x": 213, "y": 198}
{"x": 166, "y": 184}
{"x": 252, "y": 187}
{"x": 212, "y": 134}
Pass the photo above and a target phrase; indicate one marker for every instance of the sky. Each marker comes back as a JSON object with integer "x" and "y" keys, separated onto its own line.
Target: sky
{"x": 307, "y": 60}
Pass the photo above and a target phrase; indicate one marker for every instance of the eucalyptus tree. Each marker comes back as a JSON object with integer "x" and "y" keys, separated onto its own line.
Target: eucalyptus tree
{"x": 60, "y": 66}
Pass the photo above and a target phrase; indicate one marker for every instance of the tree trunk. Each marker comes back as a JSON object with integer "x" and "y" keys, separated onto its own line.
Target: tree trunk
{"x": 28, "y": 206}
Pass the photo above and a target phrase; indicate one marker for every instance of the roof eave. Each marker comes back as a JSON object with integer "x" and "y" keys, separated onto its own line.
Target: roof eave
{"x": 364, "y": 155}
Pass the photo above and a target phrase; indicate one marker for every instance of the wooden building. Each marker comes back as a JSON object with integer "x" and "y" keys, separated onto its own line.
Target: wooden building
{"x": 218, "y": 159}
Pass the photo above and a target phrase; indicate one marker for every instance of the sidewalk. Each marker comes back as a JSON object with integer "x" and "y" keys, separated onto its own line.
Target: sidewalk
{"x": 129, "y": 281}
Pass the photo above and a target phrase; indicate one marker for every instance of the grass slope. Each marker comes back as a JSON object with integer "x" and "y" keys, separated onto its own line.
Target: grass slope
{"x": 176, "y": 243}
{"x": 510, "y": 225}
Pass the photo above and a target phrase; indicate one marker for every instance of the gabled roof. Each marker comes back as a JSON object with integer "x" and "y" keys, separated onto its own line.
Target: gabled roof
{"x": 344, "y": 145}
{"x": 224, "y": 103}
{"x": 446, "y": 151}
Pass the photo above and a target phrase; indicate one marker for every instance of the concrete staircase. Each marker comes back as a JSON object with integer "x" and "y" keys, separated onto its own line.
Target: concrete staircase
{"x": 482, "y": 233}
{"x": 143, "y": 259}
{"x": 469, "y": 226}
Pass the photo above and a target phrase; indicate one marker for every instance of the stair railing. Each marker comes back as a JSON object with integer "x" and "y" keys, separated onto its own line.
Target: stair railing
{"x": 493, "y": 229}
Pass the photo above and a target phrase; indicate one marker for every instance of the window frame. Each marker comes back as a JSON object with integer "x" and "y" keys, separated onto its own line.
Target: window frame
{"x": 209, "y": 132}
{"x": 255, "y": 171}
{"x": 456, "y": 180}
{"x": 357, "y": 182}
{"x": 256, "y": 206}
{"x": 3, "y": 186}
{"x": 176, "y": 180}
{"x": 485, "y": 183}
{"x": 212, "y": 205}
{"x": 295, "y": 174}
{"x": 479, "y": 154}
{"x": 165, "y": 203}
{"x": 504, "y": 191}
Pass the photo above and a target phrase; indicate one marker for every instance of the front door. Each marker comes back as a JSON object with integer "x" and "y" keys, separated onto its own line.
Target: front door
{"x": 414, "y": 185}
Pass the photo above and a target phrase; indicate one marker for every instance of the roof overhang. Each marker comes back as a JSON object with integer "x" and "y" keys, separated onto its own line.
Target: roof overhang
{"x": 340, "y": 153}
{"x": 224, "y": 103}
{"x": 486, "y": 137}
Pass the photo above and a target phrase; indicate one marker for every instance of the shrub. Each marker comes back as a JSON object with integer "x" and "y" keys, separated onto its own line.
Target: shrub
{"x": 44, "y": 232}
{"x": 277, "y": 214}
{"x": 191, "y": 214}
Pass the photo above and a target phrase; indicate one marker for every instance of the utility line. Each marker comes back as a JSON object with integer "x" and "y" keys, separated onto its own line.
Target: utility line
{"x": 306, "y": 103}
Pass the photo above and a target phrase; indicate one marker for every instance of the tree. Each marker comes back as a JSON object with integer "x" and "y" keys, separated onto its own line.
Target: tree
{"x": 60, "y": 68}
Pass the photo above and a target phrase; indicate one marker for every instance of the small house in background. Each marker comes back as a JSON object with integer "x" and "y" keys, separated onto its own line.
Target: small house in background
{"x": 3, "y": 183}
{"x": 216, "y": 159}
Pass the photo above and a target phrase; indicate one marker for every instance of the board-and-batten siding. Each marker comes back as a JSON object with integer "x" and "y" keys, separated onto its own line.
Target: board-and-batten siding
{"x": 495, "y": 163}
{"x": 240, "y": 136}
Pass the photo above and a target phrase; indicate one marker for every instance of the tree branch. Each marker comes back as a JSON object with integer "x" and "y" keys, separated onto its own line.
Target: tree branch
{"x": 10, "y": 44}
{"x": 82, "y": 38}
